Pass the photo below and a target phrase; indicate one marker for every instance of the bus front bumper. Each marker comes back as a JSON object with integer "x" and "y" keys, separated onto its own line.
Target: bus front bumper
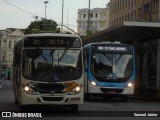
{"x": 28, "y": 99}
{"x": 110, "y": 90}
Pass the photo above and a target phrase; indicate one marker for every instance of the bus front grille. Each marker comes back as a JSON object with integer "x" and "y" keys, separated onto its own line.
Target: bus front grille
{"x": 111, "y": 90}
{"x": 52, "y": 98}
{"x": 46, "y": 88}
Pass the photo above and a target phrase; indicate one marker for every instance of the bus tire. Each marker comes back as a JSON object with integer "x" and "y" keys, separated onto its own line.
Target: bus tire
{"x": 16, "y": 101}
{"x": 124, "y": 98}
{"x": 74, "y": 108}
{"x": 107, "y": 98}
{"x": 86, "y": 97}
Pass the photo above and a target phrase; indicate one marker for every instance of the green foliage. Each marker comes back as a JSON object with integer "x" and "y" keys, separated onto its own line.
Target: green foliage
{"x": 41, "y": 26}
{"x": 89, "y": 33}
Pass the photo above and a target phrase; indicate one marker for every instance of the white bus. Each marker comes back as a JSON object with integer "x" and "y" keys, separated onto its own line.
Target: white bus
{"x": 48, "y": 69}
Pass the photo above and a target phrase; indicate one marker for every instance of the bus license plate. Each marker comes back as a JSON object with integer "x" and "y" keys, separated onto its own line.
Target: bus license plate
{"x": 111, "y": 92}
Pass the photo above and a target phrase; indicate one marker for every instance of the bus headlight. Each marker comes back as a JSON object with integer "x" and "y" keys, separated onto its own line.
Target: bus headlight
{"x": 130, "y": 84}
{"x": 76, "y": 90}
{"x": 93, "y": 83}
{"x": 26, "y": 89}
{"x": 29, "y": 90}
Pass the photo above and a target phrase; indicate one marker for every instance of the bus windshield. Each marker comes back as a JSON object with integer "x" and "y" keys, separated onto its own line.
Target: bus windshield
{"x": 52, "y": 65}
{"x": 112, "y": 65}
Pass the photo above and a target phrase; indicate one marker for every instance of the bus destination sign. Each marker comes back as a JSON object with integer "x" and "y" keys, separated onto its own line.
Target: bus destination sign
{"x": 52, "y": 42}
{"x": 112, "y": 48}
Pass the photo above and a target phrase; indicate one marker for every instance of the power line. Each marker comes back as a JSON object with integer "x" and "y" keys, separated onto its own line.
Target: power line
{"x": 22, "y": 9}
{"x": 36, "y": 16}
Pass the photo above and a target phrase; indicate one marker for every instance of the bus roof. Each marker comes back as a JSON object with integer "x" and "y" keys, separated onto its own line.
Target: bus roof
{"x": 51, "y": 34}
{"x": 106, "y": 43}
{"x": 20, "y": 41}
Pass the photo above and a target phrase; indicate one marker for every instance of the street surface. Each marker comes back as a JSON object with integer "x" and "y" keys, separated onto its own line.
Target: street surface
{"x": 95, "y": 108}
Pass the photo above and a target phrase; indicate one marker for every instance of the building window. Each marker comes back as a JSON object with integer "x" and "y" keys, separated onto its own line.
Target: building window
{"x": 122, "y": 18}
{"x": 135, "y": 14}
{"x": 10, "y": 57}
{"x": 128, "y": 16}
{"x": 125, "y": 17}
{"x": 91, "y": 15}
{"x": 96, "y": 15}
{"x": 84, "y": 15}
{"x": 123, "y": 4}
{"x": 3, "y": 58}
{"x": 126, "y": 3}
{"x": 118, "y": 6}
{"x": 131, "y": 16}
{"x": 10, "y": 44}
{"x": 4, "y": 43}
{"x": 111, "y": 10}
{"x": 146, "y": 8}
{"x": 115, "y": 7}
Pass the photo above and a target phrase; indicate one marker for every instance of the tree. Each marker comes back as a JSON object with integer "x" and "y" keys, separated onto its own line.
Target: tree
{"x": 41, "y": 26}
{"x": 89, "y": 33}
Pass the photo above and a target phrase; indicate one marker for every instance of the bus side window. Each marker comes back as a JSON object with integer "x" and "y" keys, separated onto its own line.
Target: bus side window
{"x": 86, "y": 58}
{"x": 17, "y": 59}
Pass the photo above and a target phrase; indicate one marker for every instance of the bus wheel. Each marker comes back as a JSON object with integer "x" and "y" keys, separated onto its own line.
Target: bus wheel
{"x": 86, "y": 97}
{"x": 16, "y": 101}
{"x": 107, "y": 98}
{"x": 74, "y": 108}
{"x": 124, "y": 98}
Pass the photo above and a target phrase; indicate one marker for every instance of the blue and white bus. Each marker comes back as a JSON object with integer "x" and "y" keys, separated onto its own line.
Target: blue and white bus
{"x": 109, "y": 70}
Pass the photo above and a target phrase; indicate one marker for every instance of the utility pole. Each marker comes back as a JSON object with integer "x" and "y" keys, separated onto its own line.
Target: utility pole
{"x": 62, "y": 16}
{"x": 45, "y": 7}
{"x": 45, "y": 2}
{"x": 88, "y": 16}
{"x": 67, "y": 18}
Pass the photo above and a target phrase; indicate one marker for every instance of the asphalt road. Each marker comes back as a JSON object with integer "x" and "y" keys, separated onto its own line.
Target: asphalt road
{"x": 96, "y": 108}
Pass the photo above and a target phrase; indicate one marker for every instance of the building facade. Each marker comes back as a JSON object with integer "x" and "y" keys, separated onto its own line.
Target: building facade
{"x": 97, "y": 21}
{"x": 142, "y": 12}
{"x": 134, "y": 10}
{"x": 8, "y": 37}
{"x": 137, "y": 22}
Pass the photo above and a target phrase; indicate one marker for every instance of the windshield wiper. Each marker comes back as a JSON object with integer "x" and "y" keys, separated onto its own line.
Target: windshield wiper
{"x": 107, "y": 57}
{"x": 44, "y": 58}
{"x": 118, "y": 58}
{"x": 63, "y": 54}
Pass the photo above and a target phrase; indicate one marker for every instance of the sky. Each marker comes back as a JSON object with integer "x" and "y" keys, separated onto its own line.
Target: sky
{"x": 11, "y": 17}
